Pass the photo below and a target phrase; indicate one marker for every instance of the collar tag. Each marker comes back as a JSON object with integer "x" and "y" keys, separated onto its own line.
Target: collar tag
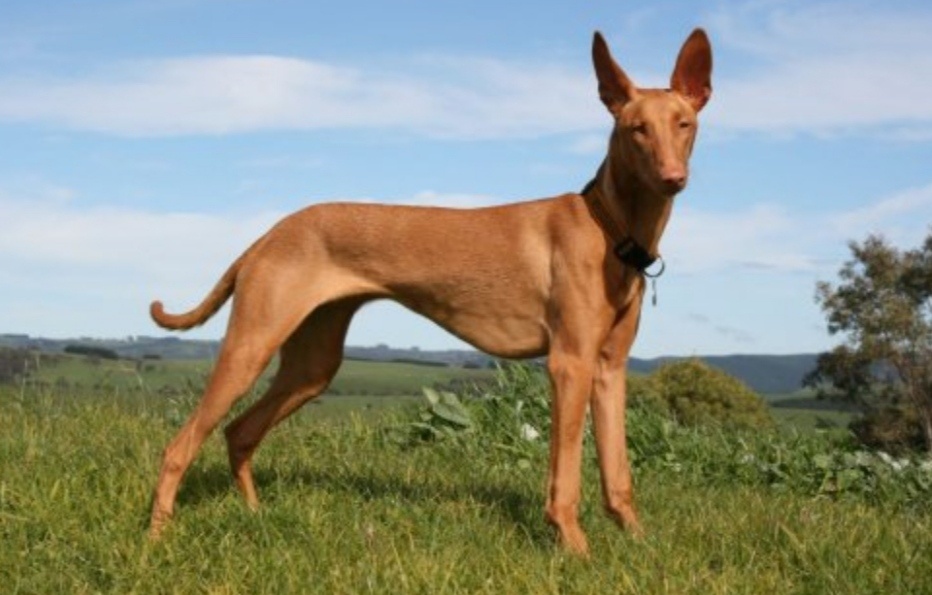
{"x": 634, "y": 255}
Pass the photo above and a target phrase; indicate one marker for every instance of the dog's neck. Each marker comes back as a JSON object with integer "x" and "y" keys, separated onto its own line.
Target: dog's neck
{"x": 625, "y": 208}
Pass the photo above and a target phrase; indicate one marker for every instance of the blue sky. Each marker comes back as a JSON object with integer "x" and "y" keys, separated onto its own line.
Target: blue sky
{"x": 146, "y": 143}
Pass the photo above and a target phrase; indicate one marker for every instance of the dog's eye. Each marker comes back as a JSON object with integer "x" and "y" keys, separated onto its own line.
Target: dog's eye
{"x": 684, "y": 124}
{"x": 639, "y": 128}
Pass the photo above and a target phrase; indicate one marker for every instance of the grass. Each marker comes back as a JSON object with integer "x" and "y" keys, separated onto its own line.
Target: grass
{"x": 810, "y": 419}
{"x": 350, "y": 508}
{"x": 358, "y": 377}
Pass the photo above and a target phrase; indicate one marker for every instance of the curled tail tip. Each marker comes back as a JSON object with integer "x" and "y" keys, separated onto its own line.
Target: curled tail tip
{"x": 199, "y": 315}
{"x": 157, "y": 312}
{"x": 156, "y": 309}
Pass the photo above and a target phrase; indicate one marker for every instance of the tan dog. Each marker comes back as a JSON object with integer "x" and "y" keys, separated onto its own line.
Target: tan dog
{"x": 561, "y": 277}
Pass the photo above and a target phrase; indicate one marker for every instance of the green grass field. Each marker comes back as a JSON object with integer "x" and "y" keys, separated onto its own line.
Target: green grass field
{"x": 808, "y": 419}
{"x": 350, "y": 507}
{"x": 366, "y": 387}
{"x": 356, "y": 377}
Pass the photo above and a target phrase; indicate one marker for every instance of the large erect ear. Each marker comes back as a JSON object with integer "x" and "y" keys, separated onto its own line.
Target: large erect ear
{"x": 615, "y": 88}
{"x": 692, "y": 76}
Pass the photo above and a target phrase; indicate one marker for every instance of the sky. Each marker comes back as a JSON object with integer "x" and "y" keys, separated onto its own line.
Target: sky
{"x": 145, "y": 143}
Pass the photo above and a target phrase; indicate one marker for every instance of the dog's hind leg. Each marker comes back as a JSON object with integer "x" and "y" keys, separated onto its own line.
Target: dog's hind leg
{"x": 250, "y": 342}
{"x": 309, "y": 360}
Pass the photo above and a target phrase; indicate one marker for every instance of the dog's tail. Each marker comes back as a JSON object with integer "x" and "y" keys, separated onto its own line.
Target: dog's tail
{"x": 203, "y": 311}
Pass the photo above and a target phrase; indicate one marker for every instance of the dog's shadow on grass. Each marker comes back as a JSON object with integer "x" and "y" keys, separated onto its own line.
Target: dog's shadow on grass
{"x": 206, "y": 485}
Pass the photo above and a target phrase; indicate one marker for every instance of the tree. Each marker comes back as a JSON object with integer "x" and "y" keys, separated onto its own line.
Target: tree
{"x": 882, "y": 306}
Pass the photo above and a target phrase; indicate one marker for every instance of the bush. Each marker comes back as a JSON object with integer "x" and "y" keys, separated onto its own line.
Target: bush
{"x": 515, "y": 406}
{"x": 696, "y": 394}
{"x": 508, "y": 425}
{"x": 643, "y": 394}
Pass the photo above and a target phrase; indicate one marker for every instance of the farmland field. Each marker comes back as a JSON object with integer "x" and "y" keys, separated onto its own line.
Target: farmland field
{"x": 356, "y": 377}
{"x": 365, "y": 386}
{"x": 366, "y": 504}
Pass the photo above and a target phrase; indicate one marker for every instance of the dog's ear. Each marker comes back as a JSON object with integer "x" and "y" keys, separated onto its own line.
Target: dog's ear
{"x": 615, "y": 88}
{"x": 692, "y": 76}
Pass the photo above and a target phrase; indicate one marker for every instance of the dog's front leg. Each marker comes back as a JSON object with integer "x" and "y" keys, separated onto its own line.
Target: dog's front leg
{"x": 571, "y": 379}
{"x": 608, "y": 418}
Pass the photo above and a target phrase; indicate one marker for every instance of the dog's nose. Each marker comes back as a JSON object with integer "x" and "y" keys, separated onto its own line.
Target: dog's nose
{"x": 674, "y": 178}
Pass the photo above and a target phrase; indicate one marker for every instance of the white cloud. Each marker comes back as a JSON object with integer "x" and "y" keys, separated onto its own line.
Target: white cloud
{"x": 109, "y": 263}
{"x": 462, "y": 98}
{"x": 783, "y": 68}
{"x": 178, "y": 252}
{"x": 824, "y": 68}
{"x": 698, "y": 241}
{"x": 209, "y": 95}
{"x": 589, "y": 144}
{"x": 768, "y": 237}
{"x": 730, "y": 333}
{"x": 796, "y": 27}
{"x": 61, "y": 247}
{"x": 48, "y": 233}
{"x": 921, "y": 133}
{"x": 903, "y": 217}
{"x": 831, "y": 94}
{"x": 429, "y": 198}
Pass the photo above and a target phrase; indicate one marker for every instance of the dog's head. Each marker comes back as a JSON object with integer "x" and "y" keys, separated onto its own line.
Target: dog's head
{"x": 655, "y": 128}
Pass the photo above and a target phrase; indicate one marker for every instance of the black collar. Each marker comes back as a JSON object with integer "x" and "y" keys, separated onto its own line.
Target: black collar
{"x": 634, "y": 255}
{"x": 628, "y": 251}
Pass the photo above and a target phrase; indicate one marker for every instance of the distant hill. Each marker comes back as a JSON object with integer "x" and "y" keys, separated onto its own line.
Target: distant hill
{"x": 766, "y": 374}
{"x": 130, "y": 347}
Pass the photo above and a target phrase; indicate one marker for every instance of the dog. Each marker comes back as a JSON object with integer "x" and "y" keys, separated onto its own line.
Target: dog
{"x": 561, "y": 277}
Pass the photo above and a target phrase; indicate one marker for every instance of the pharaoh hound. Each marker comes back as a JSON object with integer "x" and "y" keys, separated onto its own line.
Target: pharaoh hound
{"x": 560, "y": 277}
